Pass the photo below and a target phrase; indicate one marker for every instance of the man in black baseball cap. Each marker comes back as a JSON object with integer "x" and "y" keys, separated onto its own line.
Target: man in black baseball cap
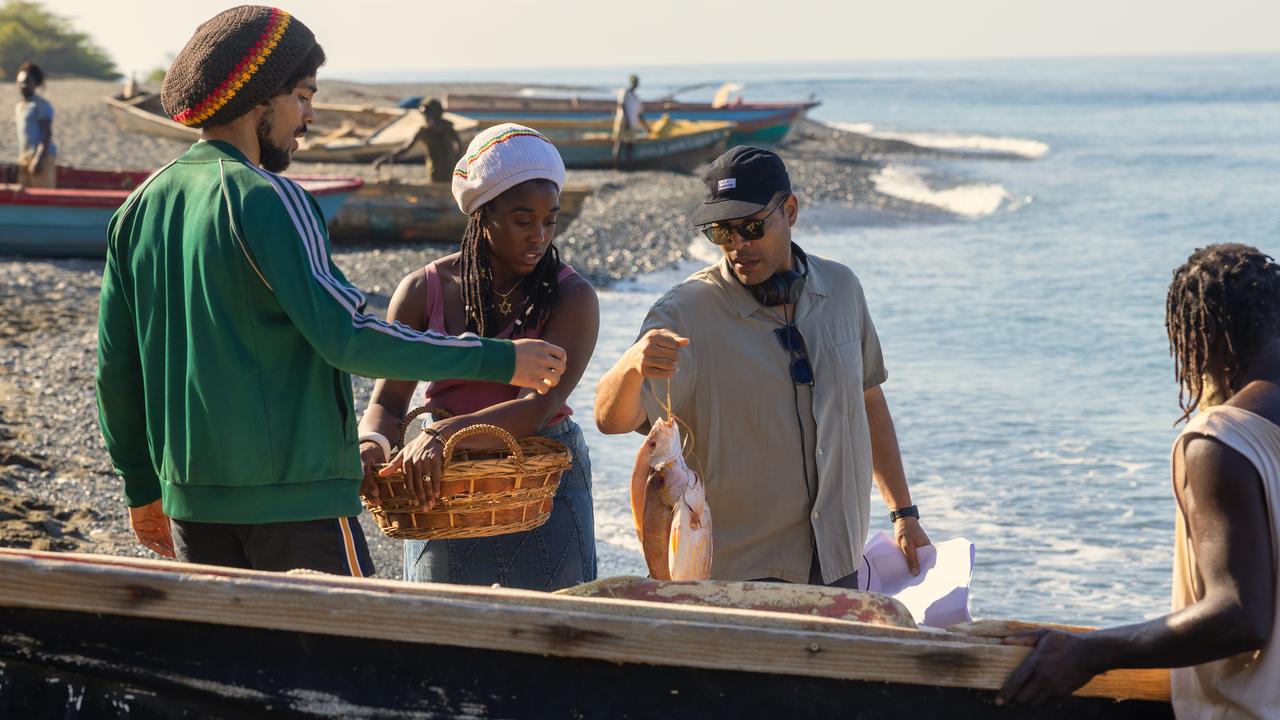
{"x": 772, "y": 362}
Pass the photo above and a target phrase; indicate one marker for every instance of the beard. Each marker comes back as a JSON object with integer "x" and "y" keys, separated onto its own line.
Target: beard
{"x": 272, "y": 157}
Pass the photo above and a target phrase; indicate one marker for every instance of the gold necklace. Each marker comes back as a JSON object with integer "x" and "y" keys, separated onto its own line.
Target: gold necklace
{"x": 504, "y": 306}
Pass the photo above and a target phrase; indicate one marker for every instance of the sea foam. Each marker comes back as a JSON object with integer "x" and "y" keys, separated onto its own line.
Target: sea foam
{"x": 970, "y": 200}
{"x": 957, "y": 142}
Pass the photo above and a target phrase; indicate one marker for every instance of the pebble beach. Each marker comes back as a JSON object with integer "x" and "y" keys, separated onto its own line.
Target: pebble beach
{"x": 57, "y": 490}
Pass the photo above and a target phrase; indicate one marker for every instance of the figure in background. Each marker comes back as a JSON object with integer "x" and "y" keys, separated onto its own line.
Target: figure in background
{"x": 33, "y": 115}
{"x": 628, "y": 120}
{"x": 443, "y": 146}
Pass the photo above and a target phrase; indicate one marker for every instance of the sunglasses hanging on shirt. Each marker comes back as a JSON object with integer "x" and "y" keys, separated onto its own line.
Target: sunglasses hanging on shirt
{"x": 791, "y": 339}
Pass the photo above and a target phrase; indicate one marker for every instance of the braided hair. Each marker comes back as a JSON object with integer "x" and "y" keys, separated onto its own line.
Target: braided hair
{"x": 541, "y": 287}
{"x": 1228, "y": 293}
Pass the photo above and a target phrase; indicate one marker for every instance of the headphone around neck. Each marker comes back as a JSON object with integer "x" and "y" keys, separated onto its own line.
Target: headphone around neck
{"x": 782, "y": 288}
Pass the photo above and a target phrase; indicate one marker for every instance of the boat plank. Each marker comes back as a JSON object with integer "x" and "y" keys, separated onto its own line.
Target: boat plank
{"x": 55, "y": 668}
{"x": 498, "y": 619}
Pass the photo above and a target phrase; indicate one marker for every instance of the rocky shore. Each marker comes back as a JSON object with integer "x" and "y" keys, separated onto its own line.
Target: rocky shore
{"x": 57, "y": 489}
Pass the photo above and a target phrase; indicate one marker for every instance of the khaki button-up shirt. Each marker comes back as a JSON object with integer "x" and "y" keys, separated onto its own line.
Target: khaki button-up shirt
{"x": 734, "y": 390}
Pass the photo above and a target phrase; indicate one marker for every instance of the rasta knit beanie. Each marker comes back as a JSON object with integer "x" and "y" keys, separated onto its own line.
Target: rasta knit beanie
{"x": 236, "y": 60}
{"x": 501, "y": 157}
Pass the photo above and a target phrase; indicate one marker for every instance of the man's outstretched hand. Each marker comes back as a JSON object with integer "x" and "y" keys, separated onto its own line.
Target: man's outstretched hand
{"x": 539, "y": 365}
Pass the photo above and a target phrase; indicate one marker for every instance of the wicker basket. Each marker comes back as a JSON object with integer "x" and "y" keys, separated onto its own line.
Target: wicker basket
{"x": 484, "y": 492}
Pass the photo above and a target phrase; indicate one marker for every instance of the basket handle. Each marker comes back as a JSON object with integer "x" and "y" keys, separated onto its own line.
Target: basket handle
{"x": 404, "y": 424}
{"x": 472, "y": 430}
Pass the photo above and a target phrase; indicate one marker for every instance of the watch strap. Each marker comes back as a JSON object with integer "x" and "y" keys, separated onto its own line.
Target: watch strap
{"x": 906, "y": 512}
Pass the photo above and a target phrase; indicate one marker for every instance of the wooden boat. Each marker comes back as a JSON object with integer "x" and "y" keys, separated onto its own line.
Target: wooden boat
{"x": 84, "y": 635}
{"x": 678, "y": 145}
{"x": 393, "y": 211}
{"x": 753, "y": 123}
{"x": 341, "y": 133}
{"x": 71, "y": 221}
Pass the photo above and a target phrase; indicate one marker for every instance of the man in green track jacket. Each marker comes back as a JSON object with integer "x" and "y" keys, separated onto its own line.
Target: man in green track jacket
{"x": 226, "y": 333}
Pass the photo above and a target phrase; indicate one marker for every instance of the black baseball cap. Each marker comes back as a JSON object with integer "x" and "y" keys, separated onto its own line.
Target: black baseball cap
{"x": 741, "y": 182}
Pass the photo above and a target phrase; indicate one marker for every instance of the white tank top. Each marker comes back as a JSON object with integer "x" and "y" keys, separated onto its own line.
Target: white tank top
{"x": 1246, "y": 685}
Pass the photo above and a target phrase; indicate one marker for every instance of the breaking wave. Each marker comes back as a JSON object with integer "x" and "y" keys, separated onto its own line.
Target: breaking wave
{"x": 971, "y": 144}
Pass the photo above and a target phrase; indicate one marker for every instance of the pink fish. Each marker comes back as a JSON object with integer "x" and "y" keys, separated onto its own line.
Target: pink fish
{"x": 669, "y": 506}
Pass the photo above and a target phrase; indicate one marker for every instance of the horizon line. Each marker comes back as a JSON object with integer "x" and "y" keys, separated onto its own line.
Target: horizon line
{"x": 340, "y": 74}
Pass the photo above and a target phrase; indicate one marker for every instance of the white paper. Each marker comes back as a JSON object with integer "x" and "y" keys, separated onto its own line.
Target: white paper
{"x": 939, "y": 595}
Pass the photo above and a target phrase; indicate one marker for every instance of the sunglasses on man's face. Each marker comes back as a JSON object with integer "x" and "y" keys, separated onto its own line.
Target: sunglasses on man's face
{"x": 722, "y": 233}
{"x": 801, "y": 370}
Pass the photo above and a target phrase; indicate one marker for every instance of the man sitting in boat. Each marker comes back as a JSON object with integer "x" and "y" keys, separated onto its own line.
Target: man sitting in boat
{"x": 1223, "y": 636}
{"x": 628, "y": 120}
{"x": 226, "y": 333}
{"x": 771, "y": 360}
{"x": 37, "y": 155}
{"x": 443, "y": 145}
{"x": 507, "y": 281}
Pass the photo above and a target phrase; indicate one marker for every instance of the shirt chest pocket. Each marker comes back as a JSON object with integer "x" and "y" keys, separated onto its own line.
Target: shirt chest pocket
{"x": 841, "y": 374}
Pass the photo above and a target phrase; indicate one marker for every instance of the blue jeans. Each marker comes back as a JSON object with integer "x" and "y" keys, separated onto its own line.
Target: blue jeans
{"x": 559, "y": 554}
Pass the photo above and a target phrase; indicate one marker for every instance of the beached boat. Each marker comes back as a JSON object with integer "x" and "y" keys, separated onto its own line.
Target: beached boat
{"x": 392, "y": 211}
{"x": 71, "y": 220}
{"x": 678, "y": 145}
{"x": 84, "y": 635}
{"x": 753, "y": 123}
{"x": 341, "y": 133}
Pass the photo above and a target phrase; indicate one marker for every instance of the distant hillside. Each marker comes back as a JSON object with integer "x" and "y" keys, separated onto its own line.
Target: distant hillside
{"x": 30, "y": 32}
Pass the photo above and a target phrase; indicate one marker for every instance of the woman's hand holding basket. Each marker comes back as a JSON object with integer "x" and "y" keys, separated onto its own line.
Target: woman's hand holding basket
{"x": 371, "y": 458}
{"x": 422, "y": 462}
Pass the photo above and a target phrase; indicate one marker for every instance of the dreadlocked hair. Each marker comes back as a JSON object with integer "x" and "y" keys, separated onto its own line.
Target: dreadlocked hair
{"x": 541, "y": 287}
{"x": 1229, "y": 293}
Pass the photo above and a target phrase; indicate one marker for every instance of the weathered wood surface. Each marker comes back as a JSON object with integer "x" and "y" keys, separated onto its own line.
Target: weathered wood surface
{"x": 512, "y": 621}
{"x": 868, "y": 608}
{"x": 140, "y": 668}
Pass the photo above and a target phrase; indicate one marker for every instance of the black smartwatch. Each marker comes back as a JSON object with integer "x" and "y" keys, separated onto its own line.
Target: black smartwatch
{"x": 906, "y": 512}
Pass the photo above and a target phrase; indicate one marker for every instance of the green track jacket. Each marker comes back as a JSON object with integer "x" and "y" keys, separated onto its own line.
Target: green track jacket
{"x": 225, "y": 339}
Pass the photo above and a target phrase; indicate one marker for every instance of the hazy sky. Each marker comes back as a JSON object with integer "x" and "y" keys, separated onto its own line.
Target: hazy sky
{"x": 363, "y": 36}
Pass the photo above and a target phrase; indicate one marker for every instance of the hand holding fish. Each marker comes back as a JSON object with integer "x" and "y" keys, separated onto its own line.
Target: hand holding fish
{"x": 656, "y": 355}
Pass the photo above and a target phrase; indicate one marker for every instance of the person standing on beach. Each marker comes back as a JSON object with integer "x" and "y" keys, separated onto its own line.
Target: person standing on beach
{"x": 771, "y": 361}
{"x": 505, "y": 281}
{"x": 226, "y": 333}
{"x": 443, "y": 145}
{"x": 1223, "y": 636}
{"x": 33, "y": 115}
{"x": 628, "y": 120}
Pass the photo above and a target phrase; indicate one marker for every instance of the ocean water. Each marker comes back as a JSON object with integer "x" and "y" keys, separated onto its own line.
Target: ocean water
{"x": 1021, "y": 313}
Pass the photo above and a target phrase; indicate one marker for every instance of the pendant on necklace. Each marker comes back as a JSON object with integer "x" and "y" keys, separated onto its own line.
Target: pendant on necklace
{"x": 504, "y": 307}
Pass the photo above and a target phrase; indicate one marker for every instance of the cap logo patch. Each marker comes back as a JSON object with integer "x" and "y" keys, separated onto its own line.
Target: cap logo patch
{"x": 727, "y": 184}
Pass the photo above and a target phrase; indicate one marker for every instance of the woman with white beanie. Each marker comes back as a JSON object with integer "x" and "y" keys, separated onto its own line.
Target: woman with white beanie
{"x": 507, "y": 281}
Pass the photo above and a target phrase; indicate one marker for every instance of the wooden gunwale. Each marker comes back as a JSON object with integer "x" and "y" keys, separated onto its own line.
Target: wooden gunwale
{"x": 618, "y": 631}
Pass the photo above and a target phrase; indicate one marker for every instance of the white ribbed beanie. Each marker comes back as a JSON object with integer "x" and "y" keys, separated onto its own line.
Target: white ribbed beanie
{"x": 500, "y": 158}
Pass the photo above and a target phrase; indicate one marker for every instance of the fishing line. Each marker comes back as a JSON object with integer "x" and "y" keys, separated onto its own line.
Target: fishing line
{"x": 689, "y": 439}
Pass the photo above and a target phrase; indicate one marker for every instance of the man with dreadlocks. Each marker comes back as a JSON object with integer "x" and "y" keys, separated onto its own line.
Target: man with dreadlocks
{"x": 507, "y": 281}
{"x": 227, "y": 334}
{"x": 1223, "y": 318}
